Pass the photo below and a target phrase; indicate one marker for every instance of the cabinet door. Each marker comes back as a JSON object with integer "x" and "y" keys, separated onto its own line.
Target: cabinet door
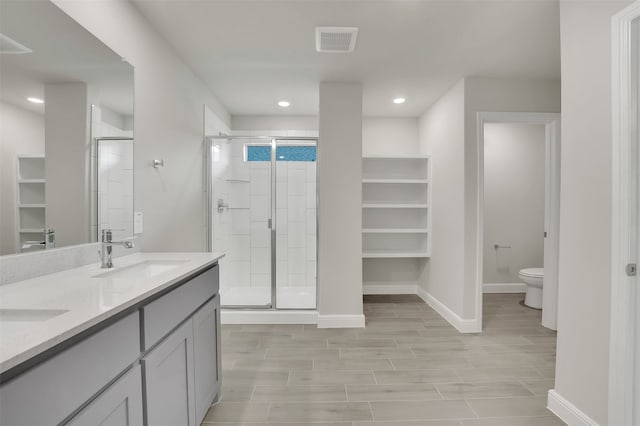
{"x": 119, "y": 405}
{"x": 206, "y": 343}
{"x": 168, "y": 371}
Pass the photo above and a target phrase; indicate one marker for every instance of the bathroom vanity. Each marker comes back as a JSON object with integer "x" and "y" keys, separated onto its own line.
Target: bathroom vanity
{"x": 136, "y": 344}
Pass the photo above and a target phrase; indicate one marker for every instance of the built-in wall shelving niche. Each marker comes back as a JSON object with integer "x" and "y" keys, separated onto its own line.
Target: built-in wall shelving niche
{"x": 396, "y": 217}
{"x": 30, "y": 200}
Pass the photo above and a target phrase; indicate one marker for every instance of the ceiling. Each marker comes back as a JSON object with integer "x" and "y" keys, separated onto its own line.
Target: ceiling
{"x": 63, "y": 52}
{"x": 254, "y": 53}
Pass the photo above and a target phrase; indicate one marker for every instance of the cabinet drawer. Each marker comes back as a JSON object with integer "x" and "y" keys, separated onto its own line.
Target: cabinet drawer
{"x": 51, "y": 391}
{"x": 164, "y": 314}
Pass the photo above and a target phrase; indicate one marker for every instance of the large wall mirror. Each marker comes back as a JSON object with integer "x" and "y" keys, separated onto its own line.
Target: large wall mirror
{"x": 66, "y": 133}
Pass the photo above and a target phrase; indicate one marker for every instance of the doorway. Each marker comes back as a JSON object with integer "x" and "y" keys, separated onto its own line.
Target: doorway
{"x": 551, "y": 124}
{"x": 262, "y": 211}
{"x": 624, "y": 364}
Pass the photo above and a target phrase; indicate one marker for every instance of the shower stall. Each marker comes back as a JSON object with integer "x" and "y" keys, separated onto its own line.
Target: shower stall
{"x": 262, "y": 208}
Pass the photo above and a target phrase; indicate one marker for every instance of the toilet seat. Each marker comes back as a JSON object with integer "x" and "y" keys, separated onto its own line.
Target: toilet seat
{"x": 532, "y": 272}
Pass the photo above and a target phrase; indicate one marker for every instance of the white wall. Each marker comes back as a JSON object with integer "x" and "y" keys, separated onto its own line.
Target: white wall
{"x": 390, "y": 136}
{"x": 514, "y": 173}
{"x": 505, "y": 95}
{"x": 442, "y": 135}
{"x": 68, "y": 154}
{"x": 585, "y": 216}
{"x": 273, "y": 122}
{"x": 168, "y": 123}
{"x": 448, "y": 130}
{"x": 340, "y": 194}
{"x": 21, "y": 132}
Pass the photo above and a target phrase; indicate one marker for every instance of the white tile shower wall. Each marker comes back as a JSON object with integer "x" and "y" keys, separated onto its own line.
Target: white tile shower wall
{"x": 25, "y": 266}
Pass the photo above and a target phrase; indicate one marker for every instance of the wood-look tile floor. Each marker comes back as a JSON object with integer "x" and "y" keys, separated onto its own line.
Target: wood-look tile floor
{"x": 408, "y": 367}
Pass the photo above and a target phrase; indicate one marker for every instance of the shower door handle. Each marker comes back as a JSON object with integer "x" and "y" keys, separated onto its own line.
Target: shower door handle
{"x": 269, "y": 223}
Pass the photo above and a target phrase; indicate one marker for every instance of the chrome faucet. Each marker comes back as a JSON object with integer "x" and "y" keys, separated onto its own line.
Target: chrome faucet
{"x": 107, "y": 247}
{"x": 48, "y": 240}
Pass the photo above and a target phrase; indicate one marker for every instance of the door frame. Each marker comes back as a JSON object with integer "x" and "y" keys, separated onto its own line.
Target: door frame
{"x": 551, "y": 121}
{"x": 622, "y": 350}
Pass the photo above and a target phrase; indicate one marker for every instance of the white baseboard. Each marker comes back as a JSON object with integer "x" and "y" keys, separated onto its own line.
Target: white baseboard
{"x": 462, "y": 325}
{"x": 230, "y": 316}
{"x": 504, "y": 288}
{"x": 386, "y": 287}
{"x": 567, "y": 412}
{"x": 341, "y": 321}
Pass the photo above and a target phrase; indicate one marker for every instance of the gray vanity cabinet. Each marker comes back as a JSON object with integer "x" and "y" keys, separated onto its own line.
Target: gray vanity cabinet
{"x": 169, "y": 380}
{"x": 119, "y": 405}
{"x": 206, "y": 340}
{"x": 159, "y": 365}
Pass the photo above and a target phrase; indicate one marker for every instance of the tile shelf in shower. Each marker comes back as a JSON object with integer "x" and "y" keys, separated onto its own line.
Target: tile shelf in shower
{"x": 394, "y": 206}
{"x": 395, "y": 231}
{"x": 395, "y": 181}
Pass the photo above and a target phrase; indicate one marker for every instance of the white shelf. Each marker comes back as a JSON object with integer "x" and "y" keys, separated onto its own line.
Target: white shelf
{"x": 394, "y": 206}
{"x": 30, "y": 198}
{"x": 395, "y": 231}
{"x": 395, "y": 181}
{"x": 31, "y": 180}
{"x": 396, "y": 216}
{"x": 382, "y": 254}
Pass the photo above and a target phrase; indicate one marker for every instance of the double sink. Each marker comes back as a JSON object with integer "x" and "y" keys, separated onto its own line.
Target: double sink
{"x": 14, "y": 320}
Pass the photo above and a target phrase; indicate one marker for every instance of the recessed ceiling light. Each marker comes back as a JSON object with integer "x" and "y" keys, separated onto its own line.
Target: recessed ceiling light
{"x": 399, "y": 100}
{"x": 284, "y": 104}
{"x": 35, "y": 100}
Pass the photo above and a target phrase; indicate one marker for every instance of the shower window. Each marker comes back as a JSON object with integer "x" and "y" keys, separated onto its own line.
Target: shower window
{"x": 283, "y": 153}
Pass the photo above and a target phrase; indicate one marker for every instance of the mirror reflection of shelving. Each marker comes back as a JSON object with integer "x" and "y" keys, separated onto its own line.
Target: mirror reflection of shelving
{"x": 395, "y": 207}
{"x": 30, "y": 193}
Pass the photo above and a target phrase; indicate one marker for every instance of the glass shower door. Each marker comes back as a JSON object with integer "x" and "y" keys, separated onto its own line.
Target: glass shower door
{"x": 295, "y": 224}
{"x": 242, "y": 208}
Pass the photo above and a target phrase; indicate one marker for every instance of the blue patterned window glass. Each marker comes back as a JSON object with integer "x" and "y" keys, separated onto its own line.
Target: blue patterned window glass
{"x": 258, "y": 153}
{"x": 283, "y": 153}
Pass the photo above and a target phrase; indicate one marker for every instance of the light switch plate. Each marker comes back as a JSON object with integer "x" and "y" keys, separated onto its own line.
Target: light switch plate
{"x": 137, "y": 223}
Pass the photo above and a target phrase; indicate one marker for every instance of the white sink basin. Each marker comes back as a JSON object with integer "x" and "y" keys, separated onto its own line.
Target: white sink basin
{"x": 17, "y": 321}
{"x": 29, "y": 315}
{"x": 146, "y": 269}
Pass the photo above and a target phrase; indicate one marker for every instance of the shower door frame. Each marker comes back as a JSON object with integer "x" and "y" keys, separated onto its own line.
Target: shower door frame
{"x": 209, "y": 210}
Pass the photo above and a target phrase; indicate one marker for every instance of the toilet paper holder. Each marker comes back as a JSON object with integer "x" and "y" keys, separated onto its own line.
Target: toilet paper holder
{"x": 498, "y": 246}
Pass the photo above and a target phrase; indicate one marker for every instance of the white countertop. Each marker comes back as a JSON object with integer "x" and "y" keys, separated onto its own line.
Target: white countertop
{"x": 85, "y": 299}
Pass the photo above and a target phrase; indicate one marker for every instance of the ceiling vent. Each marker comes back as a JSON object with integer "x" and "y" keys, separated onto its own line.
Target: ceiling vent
{"x": 10, "y": 46}
{"x": 336, "y": 39}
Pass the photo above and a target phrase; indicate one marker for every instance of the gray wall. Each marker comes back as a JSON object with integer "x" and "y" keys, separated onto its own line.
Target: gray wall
{"x": 169, "y": 99}
{"x": 21, "y": 132}
{"x": 340, "y": 192}
{"x": 514, "y": 174}
{"x": 585, "y": 215}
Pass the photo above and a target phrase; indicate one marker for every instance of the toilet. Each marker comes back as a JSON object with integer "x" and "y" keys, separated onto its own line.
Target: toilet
{"x": 533, "y": 278}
